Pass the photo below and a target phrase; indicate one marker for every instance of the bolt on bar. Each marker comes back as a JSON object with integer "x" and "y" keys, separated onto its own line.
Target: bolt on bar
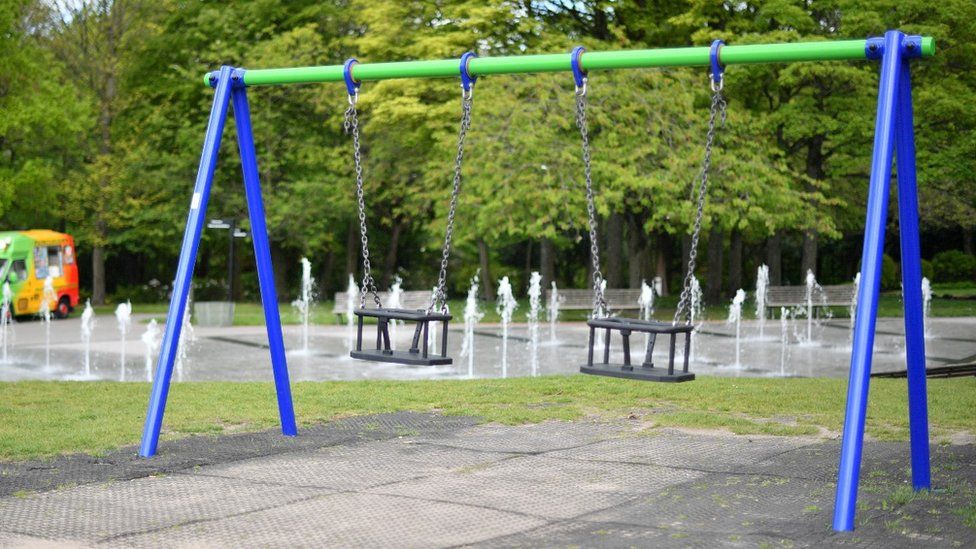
{"x": 842, "y": 50}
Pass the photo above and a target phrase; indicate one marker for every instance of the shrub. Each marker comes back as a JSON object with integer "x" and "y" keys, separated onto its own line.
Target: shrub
{"x": 928, "y": 271}
{"x": 890, "y": 273}
{"x": 954, "y": 266}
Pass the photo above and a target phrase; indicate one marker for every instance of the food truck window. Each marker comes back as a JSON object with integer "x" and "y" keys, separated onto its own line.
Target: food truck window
{"x": 40, "y": 262}
{"x": 69, "y": 255}
{"x": 54, "y": 261}
{"x": 19, "y": 266}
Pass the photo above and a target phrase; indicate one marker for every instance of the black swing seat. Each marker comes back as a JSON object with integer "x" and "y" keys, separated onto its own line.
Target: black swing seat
{"x": 418, "y": 354}
{"x": 646, "y": 371}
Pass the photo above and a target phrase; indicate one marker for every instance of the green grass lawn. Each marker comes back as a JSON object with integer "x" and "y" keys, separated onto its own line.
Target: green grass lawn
{"x": 39, "y": 419}
{"x": 251, "y": 314}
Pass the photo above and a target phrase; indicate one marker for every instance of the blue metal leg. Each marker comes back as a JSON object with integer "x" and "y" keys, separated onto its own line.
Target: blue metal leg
{"x": 262, "y": 253}
{"x": 911, "y": 272}
{"x": 867, "y": 299}
{"x": 184, "y": 269}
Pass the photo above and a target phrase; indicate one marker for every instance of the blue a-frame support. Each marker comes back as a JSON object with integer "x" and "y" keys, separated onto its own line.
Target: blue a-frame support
{"x": 229, "y": 88}
{"x": 893, "y": 134}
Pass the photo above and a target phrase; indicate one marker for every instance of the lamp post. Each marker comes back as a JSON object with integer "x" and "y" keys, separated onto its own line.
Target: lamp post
{"x": 232, "y": 232}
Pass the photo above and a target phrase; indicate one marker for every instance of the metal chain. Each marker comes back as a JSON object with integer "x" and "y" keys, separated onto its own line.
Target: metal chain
{"x": 440, "y": 293}
{"x": 351, "y": 125}
{"x": 717, "y": 110}
{"x": 599, "y": 303}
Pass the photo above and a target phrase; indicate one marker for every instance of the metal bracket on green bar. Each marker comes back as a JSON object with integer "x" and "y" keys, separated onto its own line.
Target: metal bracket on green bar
{"x": 791, "y": 52}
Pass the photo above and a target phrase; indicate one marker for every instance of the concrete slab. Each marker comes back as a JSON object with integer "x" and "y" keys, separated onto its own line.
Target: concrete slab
{"x": 413, "y": 480}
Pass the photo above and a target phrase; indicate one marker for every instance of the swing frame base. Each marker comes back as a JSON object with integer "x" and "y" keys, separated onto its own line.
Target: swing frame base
{"x": 646, "y": 370}
{"x": 418, "y": 354}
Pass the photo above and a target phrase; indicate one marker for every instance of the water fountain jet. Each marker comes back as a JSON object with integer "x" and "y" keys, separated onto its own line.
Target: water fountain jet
{"x": 472, "y": 315}
{"x": 535, "y": 297}
{"x": 151, "y": 341}
{"x": 123, "y": 315}
{"x": 505, "y": 307}
{"x": 87, "y": 325}
{"x": 735, "y": 317}
{"x": 762, "y": 288}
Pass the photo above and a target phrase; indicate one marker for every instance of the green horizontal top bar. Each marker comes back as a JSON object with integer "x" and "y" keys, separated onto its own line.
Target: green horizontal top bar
{"x": 590, "y": 61}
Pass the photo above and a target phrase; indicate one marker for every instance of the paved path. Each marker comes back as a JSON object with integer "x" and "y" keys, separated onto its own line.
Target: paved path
{"x": 416, "y": 480}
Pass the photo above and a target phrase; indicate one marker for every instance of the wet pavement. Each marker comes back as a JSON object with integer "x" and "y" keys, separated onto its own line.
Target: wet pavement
{"x": 420, "y": 480}
{"x": 241, "y": 354}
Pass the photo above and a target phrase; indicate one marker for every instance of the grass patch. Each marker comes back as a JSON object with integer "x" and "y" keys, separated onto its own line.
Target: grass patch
{"x": 39, "y": 419}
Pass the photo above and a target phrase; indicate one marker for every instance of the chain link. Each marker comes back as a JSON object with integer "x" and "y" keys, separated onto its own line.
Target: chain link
{"x": 599, "y": 303}
{"x": 717, "y": 110}
{"x": 440, "y": 293}
{"x": 351, "y": 126}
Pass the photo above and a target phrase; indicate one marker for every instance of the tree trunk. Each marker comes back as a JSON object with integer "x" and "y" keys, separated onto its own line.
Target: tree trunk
{"x": 547, "y": 260}
{"x": 615, "y": 260}
{"x": 390, "y": 262}
{"x": 487, "y": 282}
{"x": 352, "y": 253}
{"x": 774, "y": 258}
{"x": 528, "y": 261}
{"x": 735, "y": 261}
{"x": 809, "y": 261}
{"x": 969, "y": 240}
{"x": 661, "y": 263}
{"x": 636, "y": 251}
{"x": 278, "y": 259}
{"x": 98, "y": 275}
{"x": 713, "y": 280}
{"x": 326, "y": 277}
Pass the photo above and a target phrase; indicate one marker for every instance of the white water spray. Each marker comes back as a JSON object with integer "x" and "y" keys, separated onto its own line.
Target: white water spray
{"x": 472, "y": 315}
{"x": 123, "y": 315}
{"x": 352, "y": 301}
{"x": 735, "y": 317}
{"x": 926, "y": 305}
{"x": 812, "y": 287}
{"x": 87, "y": 325}
{"x": 552, "y": 310}
{"x": 187, "y": 337}
{"x": 695, "y": 312}
{"x": 5, "y": 318}
{"x": 645, "y": 303}
{"x": 505, "y": 307}
{"x": 784, "y": 338}
{"x": 49, "y": 299}
{"x": 762, "y": 287}
{"x": 150, "y": 340}
{"x": 394, "y": 300}
{"x": 305, "y": 300}
{"x": 535, "y": 301}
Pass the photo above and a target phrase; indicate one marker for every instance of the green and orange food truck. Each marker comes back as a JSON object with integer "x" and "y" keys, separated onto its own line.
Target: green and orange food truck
{"x": 27, "y": 258}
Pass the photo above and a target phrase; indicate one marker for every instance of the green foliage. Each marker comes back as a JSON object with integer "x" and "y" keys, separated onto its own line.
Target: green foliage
{"x": 890, "y": 273}
{"x": 106, "y": 144}
{"x": 954, "y": 266}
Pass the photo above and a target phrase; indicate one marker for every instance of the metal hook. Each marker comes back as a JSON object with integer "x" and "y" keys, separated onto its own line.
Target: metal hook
{"x": 579, "y": 75}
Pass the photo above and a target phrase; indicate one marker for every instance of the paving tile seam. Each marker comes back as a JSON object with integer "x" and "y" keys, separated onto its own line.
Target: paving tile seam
{"x": 522, "y": 514}
{"x": 126, "y": 535}
{"x": 693, "y": 469}
{"x": 512, "y": 452}
{"x": 32, "y": 535}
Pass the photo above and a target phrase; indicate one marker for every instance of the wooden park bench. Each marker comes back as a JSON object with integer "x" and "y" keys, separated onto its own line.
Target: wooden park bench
{"x": 408, "y": 300}
{"x": 617, "y": 299}
{"x": 796, "y": 296}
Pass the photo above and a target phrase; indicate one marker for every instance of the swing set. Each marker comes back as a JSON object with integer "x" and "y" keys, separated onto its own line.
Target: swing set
{"x": 894, "y": 136}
